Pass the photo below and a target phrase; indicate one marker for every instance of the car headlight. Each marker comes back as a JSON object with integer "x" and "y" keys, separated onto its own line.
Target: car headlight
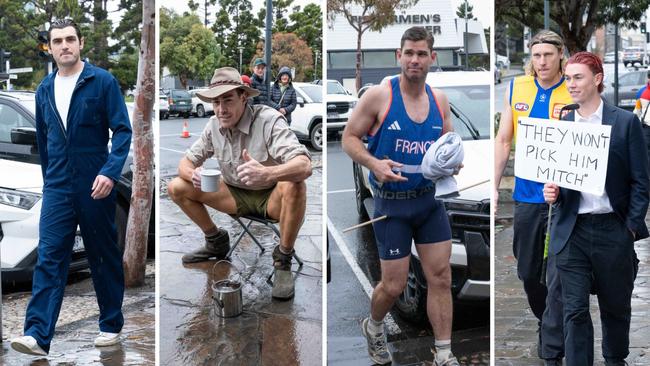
{"x": 353, "y": 104}
{"x": 20, "y": 199}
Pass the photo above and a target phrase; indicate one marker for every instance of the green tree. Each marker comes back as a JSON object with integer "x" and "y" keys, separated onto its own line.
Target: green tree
{"x": 289, "y": 50}
{"x": 374, "y": 15}
{"x": 124, "y": 63}
{"x": 308, "y": 26}
{"x": 576, "y": 20}
{"x": 460, "y": 12}
{"x": 234, "y": 27}
{"x": 187, "y": 48}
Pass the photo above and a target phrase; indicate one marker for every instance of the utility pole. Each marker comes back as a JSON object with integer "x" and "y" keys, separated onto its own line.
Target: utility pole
{"x": 546, "y": 11}
{"x": 267, "y": 46}
{"x": 205, "y": 17}
{"x": 316, "y": 53}
{"x": 241, "y": 49}
{"x": 465, "y": 38}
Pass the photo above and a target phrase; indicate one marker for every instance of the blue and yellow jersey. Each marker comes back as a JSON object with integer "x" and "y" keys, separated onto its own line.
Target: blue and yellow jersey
{"x": 529, "y": 99}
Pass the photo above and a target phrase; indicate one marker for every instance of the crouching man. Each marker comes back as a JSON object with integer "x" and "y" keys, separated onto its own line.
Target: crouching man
{"x": 263, "y": 168}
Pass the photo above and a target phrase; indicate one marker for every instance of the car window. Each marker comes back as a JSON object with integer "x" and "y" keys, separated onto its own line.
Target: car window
{"x": 181, "y": 94}
{"x": 630, "y": 79}
{"x": 10, "y": 118}
{"x": 315, "y": 92}
{"x": 470, "y": 102}
{"x": 335, "y": 88}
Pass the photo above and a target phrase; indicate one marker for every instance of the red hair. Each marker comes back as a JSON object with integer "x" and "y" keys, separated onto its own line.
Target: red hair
{"x": 590, "y": 60}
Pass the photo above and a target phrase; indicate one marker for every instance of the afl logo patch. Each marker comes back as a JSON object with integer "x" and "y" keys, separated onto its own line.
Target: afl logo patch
{"x": 521, "y": 107}
{"x": 557, "y": 107}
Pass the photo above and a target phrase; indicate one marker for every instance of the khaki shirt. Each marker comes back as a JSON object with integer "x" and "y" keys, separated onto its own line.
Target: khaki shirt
{"x": 262, "y": 131}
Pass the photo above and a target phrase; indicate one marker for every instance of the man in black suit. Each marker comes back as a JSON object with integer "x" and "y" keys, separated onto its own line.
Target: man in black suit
{"x": 593, "y": 235}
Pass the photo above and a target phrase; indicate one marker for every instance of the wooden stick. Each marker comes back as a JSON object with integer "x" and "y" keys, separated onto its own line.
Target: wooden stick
{"x": 364, "y": 223}
{"x": 385, "y": 216}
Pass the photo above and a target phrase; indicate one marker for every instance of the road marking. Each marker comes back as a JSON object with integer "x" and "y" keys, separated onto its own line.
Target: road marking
{"x": 172, "y": 150}
{"x": 391, "y": 326}
{"x": 341, "y": 191}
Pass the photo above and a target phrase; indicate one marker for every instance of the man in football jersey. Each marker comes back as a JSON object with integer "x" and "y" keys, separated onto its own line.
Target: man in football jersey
{"x": 541, "y": 93}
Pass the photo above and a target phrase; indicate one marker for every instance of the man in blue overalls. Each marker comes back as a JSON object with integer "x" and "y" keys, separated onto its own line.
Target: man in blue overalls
{"x": 75, "y": 107}
{"x": 401, "y": 119}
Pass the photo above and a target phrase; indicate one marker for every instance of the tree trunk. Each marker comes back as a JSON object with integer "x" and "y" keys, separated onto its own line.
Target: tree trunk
{"x": 357, "y": 69}
{"x": 135, "y": 253}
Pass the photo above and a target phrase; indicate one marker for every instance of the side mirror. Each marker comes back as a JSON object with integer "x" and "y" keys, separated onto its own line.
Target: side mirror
{"x": 23, "y": 136}
{"x": 301, "y": 101}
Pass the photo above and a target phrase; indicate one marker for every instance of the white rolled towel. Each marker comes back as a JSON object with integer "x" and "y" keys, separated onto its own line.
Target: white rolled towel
{"x": 442, "y": 160}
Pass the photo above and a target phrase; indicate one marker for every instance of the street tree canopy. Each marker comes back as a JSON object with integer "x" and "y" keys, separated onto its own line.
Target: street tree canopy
{"x": 576, "y": 20}
{"x": 187, "y": 48}
{"x": 289, "y": 50}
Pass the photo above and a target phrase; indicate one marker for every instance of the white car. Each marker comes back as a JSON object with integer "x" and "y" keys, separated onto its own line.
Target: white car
{"x": 468, "y": 211}
{"x": 307, "y": 118}
{"x": 340, "y": 103}
{"x": 199, "y": 107}
{"x": 21, "y": 192}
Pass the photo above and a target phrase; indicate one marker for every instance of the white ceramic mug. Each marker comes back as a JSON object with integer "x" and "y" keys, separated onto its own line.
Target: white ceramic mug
{"x": 210, "y": 179}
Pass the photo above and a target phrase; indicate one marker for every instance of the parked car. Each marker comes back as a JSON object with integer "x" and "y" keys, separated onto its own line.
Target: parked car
{"x": 340, "y": 104}
{"x": 307, "y": 118}
{"x": 628, "y": 86}
{"x": 21, "y": 193}
{"x": 468, "y": 211}
{"x": 163, "y": 106}
{"x": 633, "y": 55}
{"x": 497, "y": 74}
{"x": 180, "y": 102}
{"x": 199, "y": 107}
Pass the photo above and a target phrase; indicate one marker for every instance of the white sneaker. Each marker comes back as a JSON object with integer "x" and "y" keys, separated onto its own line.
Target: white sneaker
{"x": 107, "y": 339}
{"x": 27, "y": 345}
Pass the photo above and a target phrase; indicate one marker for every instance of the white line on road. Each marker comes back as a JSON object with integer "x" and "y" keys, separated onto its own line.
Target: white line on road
{"x": 172, "y": 150}
{"x": 391, "y": 326}
{"x": 341, "y": 191}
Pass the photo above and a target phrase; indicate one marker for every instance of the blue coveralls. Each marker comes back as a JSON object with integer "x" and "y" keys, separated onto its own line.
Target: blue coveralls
{"x": 71, "y": 159}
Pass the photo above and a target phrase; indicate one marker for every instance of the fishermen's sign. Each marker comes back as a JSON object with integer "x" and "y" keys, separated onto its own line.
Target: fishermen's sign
{"x": 570, "y": 154}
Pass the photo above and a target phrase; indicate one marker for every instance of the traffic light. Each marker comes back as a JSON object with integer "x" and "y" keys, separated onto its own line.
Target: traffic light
{"x": 642, "y": 27}
{"x": 43, "y": 49}
{"x": 4, "y": 56}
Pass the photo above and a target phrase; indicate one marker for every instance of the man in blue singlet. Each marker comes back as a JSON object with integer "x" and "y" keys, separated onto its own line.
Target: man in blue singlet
{"x": 401, "y": 119}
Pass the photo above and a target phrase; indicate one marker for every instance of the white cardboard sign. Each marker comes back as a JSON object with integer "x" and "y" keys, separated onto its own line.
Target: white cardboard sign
{"x": 570, "y": 154}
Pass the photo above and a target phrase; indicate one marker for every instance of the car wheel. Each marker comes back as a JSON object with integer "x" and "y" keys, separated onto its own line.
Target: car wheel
{"x": 200, "y": 111}
{"x": 121, "y": 219}
{"x": 316, "y": 136}
{"x": 360, "y": 190}
{"x": 411, "y": 304}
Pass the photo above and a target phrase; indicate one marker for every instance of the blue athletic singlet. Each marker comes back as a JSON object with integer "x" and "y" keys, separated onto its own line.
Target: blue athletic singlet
{"x": 404, "y": 141}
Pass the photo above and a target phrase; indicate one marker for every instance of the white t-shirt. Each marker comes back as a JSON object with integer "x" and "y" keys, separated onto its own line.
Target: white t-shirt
{"x": 592, "y": 203}
{"x": 63, "y": 88}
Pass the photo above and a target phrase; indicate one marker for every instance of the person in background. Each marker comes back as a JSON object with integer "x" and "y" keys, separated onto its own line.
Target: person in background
{"x": 641, "y": 110}
{"x": 258, "y": 83}
{"x": 283, "y": 95}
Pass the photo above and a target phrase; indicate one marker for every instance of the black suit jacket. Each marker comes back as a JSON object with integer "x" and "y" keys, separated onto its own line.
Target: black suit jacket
{"x": 626, "y": 183}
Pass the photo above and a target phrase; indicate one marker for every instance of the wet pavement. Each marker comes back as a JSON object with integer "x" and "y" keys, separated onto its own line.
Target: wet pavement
{"x": 77, "y": 327}
{"x": 268, "y": 332}
{"x": 515, "y": 338}
{"x": 355, "y": 270}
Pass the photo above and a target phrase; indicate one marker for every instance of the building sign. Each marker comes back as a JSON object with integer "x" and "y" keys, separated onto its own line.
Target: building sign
{"x": 424, "y": 20}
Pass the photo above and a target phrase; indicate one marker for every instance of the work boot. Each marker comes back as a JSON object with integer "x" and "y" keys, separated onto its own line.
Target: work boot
{"x": 216, "y": 246}
{"x": 282, "y": 276}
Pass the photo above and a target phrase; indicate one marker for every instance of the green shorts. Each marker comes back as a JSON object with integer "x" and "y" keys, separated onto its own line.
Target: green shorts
{"x": 251, "y": 202}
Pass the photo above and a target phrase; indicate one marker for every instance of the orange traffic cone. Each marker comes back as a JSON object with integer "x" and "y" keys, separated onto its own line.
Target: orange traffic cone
{"x": 185, "y": 134}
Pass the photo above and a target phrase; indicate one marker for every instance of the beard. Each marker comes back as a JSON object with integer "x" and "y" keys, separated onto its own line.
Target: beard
{"x": 413, "y": 78}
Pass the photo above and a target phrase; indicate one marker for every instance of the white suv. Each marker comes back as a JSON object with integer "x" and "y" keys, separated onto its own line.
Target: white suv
{"x": 340, "y": 103}
{"x": 307, "y": 118}
{"x": 199, "y": 107}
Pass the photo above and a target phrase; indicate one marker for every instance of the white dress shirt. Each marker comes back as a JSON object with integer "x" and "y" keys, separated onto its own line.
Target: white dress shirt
{"x": 593, "y": 203}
